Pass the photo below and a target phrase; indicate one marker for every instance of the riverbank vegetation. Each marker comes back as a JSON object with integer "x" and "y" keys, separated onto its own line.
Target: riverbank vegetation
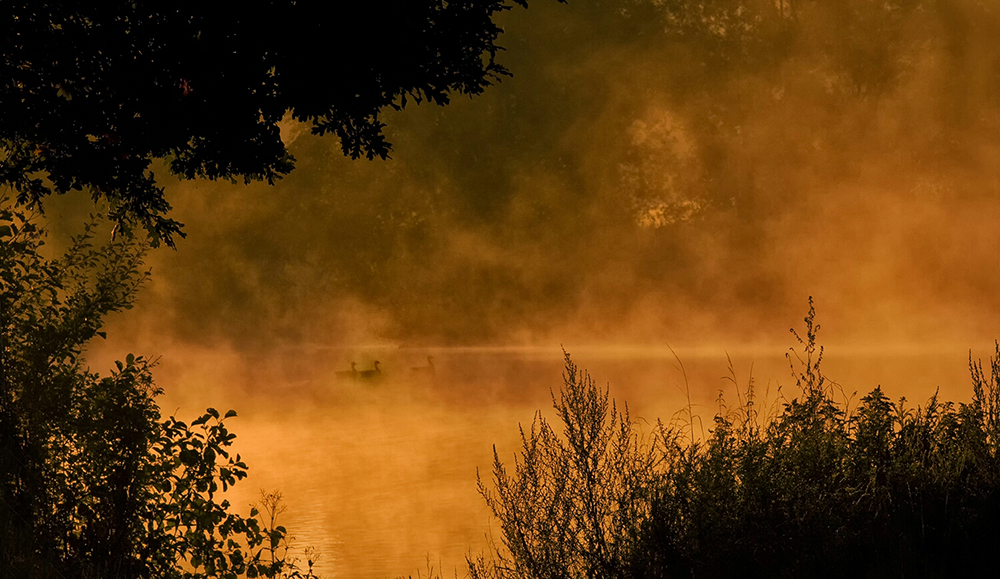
{"x": 94, "y": 482}
{"x": 817, "y": 486}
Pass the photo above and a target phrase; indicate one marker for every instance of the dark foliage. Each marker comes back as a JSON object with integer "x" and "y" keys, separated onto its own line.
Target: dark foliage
{"x": 816, "y": 489}
{"x": 574, "y": 503}
{"x": 92, "y": 92}
{"x": 92, "y": 483}
{"x": 823, "y": 490}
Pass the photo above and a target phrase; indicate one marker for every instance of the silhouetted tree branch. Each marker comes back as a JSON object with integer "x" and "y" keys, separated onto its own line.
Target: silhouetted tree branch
{"x": 92, "y": 93}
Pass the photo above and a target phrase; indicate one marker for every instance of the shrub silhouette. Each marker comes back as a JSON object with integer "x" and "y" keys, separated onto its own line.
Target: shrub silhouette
{"x": 817, "y": 488}
{"x": 93, "y": 483}
{"x": 574, "y": 503}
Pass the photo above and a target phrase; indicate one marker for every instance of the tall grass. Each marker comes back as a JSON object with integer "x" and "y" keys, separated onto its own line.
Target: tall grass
{"x": 573, "y": 505}
{"x": 816, "y": 487}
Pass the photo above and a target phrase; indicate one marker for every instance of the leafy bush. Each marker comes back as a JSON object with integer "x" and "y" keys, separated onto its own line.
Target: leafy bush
{"x": 92, "y": 482}
{"x": 818, "y": 488}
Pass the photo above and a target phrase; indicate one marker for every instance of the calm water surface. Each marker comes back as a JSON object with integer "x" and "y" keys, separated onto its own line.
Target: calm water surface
{"x": 380, "y": 477}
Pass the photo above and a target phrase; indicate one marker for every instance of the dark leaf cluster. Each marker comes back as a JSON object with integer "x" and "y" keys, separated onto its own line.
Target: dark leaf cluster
{"x": 92, "y": 482}
{"x": 92, "y": 93}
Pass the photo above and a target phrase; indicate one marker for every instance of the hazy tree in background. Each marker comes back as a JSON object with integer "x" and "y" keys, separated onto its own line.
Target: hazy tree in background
{"x": 864, "y": 44}
{"x": 92, "y": 93}
{"x": 816, "y": 65}
{"x": 92, "y": 483}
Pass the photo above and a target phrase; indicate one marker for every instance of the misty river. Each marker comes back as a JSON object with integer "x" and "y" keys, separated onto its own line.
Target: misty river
{"x": 379, "y": 476}
{"x": 633, "y": 181}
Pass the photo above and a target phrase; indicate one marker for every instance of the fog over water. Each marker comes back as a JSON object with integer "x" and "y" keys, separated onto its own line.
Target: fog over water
{"x": 380, "y": 476}
{"x": 644, "y": 179}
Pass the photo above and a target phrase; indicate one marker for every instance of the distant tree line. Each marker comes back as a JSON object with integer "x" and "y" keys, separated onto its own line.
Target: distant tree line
{"x": 816, "y": 488}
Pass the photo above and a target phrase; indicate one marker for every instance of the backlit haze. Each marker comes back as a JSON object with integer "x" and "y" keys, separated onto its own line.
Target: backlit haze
{"x": 627, "y": 189}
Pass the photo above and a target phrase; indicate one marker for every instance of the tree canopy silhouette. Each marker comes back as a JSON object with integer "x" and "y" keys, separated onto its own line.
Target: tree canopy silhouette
{"x": 92, "y": 93}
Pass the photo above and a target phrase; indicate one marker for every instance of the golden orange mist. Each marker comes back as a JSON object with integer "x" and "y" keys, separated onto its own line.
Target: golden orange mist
{"x": 617, "y": 195}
